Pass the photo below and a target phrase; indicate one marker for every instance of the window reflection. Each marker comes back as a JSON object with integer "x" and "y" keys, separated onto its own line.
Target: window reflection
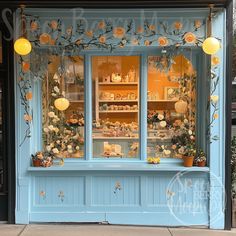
{"x": 171, "y": 106}
{"x": 115, "y": 106}
{"x": 64, "y": 130}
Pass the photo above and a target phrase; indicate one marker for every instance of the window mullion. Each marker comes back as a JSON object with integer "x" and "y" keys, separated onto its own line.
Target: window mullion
{"x": 88, "y": 109}
{"x": 143, "y": 108}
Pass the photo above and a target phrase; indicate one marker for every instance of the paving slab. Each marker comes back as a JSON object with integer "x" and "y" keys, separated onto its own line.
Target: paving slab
{"x": 92, "y": 230}
{"x": 200, "y": 232}
{"x": 10, "y": 230}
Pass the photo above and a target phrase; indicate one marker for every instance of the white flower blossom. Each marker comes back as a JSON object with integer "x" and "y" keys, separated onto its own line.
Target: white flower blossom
{"x": 53, "y": 94}
{"x": 51, "y": 114}
{"x": 46, "y": 130}
{"x": 170, "y": 91}
{"x": 58, "y": 141}
{"x": 56, "y": 89}
{"x": 55, "y": 151}
{"x": 167, "y": 152}
{"x": 77, "y": 148}
{"x": 52, "y": 145}
{"x": 190, "y": 132}
{"x": 56, "y": 130}
{"x": 48, "y": 148}
{"x": 70, "y": 150}
{"x": 69, "y": 147}
{"x": 185, "y": 121}
{"x": 163, "y": 123}
{"x": 214, "y": 98}
{"x": 51, "y": 127}
{"x": 160, "y": 117}
{"x": 54, "y": 121}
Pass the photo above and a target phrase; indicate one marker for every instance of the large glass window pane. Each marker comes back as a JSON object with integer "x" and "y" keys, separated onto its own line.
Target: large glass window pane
{"x": 171, "y": 106}
{"x": 63, "y": 131}
{"x": 115, "y": 106}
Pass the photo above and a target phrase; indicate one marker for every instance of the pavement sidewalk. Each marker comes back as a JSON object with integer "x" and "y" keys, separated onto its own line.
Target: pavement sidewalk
{"x": 103, "y": 230}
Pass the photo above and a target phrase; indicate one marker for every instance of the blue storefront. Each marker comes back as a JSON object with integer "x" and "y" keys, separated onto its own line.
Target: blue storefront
{"x": 116, "y": 97}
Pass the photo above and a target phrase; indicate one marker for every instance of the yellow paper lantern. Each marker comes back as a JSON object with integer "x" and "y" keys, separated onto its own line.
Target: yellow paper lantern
{"x": 211, "y": 45}
{"x": 22, "y": 46}
{"x": 61, "y": 104}
{"x": 181, "y": 107}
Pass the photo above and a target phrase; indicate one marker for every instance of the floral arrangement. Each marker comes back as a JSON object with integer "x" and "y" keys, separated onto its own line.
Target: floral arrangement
{"x": 62, "y": 137}
{"x": 183, "y": 142}
{"x": 156, "y": 117}
{"x": 189, "y": 150}
{"x": 116, "y": 129}
{"x": 201, "y": 156}
{"x": 163, "y": 149}
{"x": 42, "y": 159}
{"x": 153, "y": 160}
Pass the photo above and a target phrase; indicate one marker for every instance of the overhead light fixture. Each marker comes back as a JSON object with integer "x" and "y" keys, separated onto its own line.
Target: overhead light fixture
{"x": 211, "y": 45}
{"x": 22, "y": 45}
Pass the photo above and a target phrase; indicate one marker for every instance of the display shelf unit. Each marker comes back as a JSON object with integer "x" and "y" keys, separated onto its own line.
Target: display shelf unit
{"x": 114, "y": 138}
{"x": 162, "y": 100}
{"x": 106, "y": 87}
{"x": 117, "y": 83}
{"x": 119, "y": 111}
{"x": 117, "y": 101}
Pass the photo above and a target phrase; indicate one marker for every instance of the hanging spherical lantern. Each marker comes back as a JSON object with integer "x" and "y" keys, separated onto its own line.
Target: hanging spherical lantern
{"x": 61, "y": 104}
{"x": 181, "y": 107}
{"x": 22, "y": 46}
{"x": 211, "y": 45}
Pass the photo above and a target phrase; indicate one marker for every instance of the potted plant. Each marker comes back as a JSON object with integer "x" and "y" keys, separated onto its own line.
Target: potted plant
{"x": 189, "y": 155}
{"x": 233, "y": 178}
{"x": 40, "y": 159}
{"x": 201, "y": 159}
{"x": 37, "y": 159}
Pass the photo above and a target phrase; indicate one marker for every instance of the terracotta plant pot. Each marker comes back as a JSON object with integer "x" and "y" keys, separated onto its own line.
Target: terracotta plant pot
{"x": 36, "y": 163}
{"x": 201, "y": 163}
{"x": 188, "y": 161}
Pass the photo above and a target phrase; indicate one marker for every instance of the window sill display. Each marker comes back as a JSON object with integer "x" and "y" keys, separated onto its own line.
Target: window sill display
{"x": 200, "y": 158}
{"x": 153, "y": 160}
{"x": 41, "y": 159}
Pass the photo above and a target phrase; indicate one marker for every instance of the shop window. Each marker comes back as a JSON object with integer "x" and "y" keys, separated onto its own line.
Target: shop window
{"x": 115, "y": 106}
{"x": 63, "y": 131}
{"x": 171, "y": 106}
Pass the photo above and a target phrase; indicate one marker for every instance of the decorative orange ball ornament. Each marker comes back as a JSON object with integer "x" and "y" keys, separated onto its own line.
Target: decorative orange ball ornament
{"x": 22, "y": 46}
{"x": 61, "y": 104}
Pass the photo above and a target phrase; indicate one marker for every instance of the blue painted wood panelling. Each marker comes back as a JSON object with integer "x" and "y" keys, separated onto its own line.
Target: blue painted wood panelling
{"x": 116, "y": 191}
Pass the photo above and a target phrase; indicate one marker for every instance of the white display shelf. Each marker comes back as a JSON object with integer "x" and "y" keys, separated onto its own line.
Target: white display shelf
{"x": 114, "y": 138}
{"x": 120, "y": 83}
{"x": 162, "y": 100}
{"x": 118, "y": 101}
{"x": 119, "y": 111}
{"x": 79, "y": 101}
